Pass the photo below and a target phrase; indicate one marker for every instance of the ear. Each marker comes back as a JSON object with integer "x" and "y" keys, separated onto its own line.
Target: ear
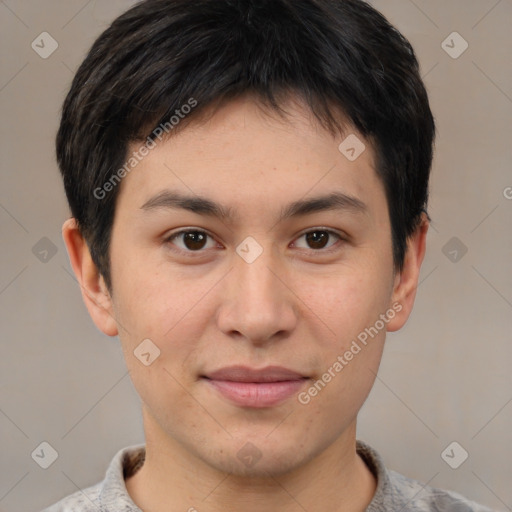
{"x": 94, "y": 291}
{"x": 406, "y": 281}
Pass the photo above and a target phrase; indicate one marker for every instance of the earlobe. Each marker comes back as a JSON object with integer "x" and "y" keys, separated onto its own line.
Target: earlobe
{"x": 92, "y": 285}
{"x": 406, "y": 281}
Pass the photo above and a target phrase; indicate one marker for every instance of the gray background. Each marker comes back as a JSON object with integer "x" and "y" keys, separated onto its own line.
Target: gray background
{"x": 444, "y": 377}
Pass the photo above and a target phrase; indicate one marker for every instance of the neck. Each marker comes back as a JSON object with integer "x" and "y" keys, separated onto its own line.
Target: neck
{"x": 336, "y": 479}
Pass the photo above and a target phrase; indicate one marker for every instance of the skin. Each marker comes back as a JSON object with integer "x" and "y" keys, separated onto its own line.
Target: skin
{"x": 294, "y": 306}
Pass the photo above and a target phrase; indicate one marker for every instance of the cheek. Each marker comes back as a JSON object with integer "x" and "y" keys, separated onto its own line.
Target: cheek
{"x": 154, "y": 300}
{"x": 165, "y": 394}
{"x": 172, "y": 321}
{"x": 350, "y": 305}
{"x": 349, "y": 301}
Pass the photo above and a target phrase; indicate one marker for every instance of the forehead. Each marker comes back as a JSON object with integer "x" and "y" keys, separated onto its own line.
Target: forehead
{"x": 242, "y": 155}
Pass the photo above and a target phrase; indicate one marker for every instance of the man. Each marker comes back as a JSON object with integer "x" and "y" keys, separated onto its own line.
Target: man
{"x": 248, "y": 183}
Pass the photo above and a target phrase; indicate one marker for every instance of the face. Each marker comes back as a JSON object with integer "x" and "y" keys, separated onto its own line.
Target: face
{"x": 265, "y": 286}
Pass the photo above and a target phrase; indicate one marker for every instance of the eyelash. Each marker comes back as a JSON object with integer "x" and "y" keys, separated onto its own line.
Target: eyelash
{"x": 200, "y": 252}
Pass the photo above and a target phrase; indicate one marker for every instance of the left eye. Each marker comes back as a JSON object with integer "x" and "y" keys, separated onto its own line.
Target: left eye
{"x": 317, "y": 239}
{"x": 195, "y": 240}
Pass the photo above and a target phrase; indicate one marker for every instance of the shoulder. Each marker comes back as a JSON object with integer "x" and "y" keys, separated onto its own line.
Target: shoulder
{"x": 419, "y": 497}
{"x": 110, "y": 494}
{"x": 396, "y": 492}
{"x": 86, "y": 500}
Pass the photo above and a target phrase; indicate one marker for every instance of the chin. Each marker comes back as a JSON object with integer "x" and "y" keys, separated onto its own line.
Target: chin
{"x": 257, "y": 459}
{"x": 263, "y": 468}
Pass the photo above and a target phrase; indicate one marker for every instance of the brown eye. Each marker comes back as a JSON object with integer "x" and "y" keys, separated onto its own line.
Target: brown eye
{"x": 191, "y": 240}
{"x": 194, "y": 240}
{"x": 318, "y": 239}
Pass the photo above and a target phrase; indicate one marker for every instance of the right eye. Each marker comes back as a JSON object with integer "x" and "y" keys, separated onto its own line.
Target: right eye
{"x": 192, "y": 240}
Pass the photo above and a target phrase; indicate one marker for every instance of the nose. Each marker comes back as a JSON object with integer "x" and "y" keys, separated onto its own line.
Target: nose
{"x": 258, "y": 303}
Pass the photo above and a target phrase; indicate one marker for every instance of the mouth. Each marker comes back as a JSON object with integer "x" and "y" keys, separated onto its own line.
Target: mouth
{"x": 257, "y": 388}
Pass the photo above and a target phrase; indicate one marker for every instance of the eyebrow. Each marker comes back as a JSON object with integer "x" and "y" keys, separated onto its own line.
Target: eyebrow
{"x": 169, "y": 199}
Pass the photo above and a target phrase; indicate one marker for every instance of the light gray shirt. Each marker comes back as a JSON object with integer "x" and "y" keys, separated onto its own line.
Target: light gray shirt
{"x": 394, "y": 493}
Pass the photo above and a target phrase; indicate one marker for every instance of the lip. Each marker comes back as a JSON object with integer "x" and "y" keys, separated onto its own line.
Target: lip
{"x": 249, "y": 387}
{"x": 247, "y": 374}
